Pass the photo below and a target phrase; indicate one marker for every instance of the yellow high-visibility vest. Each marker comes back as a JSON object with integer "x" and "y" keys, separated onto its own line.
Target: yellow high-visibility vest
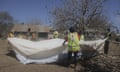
{"x": 55, "y": 34}
{"x": 73, "y": 42}
{"x": 82, "y": 37}
{"x": 11, "y": 35}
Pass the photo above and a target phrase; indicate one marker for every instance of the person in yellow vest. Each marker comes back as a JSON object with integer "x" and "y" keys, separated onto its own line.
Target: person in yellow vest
{"x": 55, "y": 34}
{"x": 11, "y": 34}
{"x": 73, "y": 46}
{"x": 82, "y": 37}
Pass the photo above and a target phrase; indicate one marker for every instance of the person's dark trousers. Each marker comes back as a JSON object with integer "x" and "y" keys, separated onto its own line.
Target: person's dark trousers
{"x": 106, "y": 47}
{"x": 69, "y": 58}
{"x": 74, "y": 58}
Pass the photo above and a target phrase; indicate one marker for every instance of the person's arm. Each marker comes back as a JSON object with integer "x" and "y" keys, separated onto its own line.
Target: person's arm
{"x": 66, "y": 39}
{"x": 78, "y": 36}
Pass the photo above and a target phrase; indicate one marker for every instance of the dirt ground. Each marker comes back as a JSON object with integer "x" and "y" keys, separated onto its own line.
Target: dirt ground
{"x": 100, "y": 63}
{"x": 8, "y": 63}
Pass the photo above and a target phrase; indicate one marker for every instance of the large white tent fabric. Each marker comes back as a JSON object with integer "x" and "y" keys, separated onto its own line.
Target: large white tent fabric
{"x": 45, "y": 51}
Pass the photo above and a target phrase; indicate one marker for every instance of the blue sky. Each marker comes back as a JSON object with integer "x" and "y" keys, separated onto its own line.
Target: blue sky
{"x": 111, "y": 7}
{"x": 27, "y": 10}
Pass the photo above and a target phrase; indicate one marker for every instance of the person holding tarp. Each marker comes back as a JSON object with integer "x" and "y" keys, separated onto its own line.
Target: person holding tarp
{"x": 29, "y": 34}
{"x": 55, "y": 34}
{"x": 82, "y": 37}
{"x": 73, "y": 46}
{"x": 106, "y": 46}
{"x": 11, "y": 35}
{"x": 34, "y": 36}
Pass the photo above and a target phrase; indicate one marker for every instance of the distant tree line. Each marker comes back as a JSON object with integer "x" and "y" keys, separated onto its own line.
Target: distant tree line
{"x": 6, "y": 23}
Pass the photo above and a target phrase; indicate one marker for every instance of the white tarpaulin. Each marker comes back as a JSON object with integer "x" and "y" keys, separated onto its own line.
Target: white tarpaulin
{"x": 45, "y": 51}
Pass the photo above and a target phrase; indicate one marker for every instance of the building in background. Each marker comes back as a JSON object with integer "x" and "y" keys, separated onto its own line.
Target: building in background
{"x": 41, "y": 31}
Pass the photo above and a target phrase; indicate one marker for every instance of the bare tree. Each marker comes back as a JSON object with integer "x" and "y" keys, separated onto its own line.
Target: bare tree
{"x": 6, "y": 23}
{"x": 79, "y": 13}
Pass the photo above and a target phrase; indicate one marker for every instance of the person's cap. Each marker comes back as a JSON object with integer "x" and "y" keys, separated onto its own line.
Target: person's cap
{"x": 71, "y": 29}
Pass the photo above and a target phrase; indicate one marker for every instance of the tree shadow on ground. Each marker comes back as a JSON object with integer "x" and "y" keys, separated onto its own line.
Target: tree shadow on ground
{"x": 86, "y": 55}
{"x": 91, "y": 66}
{"x": 85, "y": 63}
